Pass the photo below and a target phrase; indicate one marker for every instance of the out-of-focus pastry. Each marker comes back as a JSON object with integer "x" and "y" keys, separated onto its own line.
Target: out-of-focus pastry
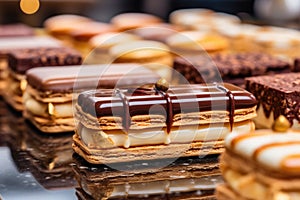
{"x": 100, "y": 45}
{"x": 19, "y": 61}
{"x": 196, "y": 42}
{"x": 49, "y": 95}
{"x": 127, "y": 21}
{"x": 276, "y": 95}
{"x": 16, "y": 30}
{"x": 148, "y": 122}
{"x": 261, "y": 165}
{"x": 232, "y": 68}
{"x": 155, "y": 55}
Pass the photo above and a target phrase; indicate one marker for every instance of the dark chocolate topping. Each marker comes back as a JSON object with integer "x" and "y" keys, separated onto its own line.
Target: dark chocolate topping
{"x": 22, "y": 60}
{"x": 279, "y": 94}
{"x": 178, "y": 99}
{"x": 203, "y": 69}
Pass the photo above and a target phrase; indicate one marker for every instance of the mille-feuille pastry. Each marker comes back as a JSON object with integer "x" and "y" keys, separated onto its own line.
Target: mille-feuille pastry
{"x": 49, "y": 95}
{"x": 194, "y": 18}
{"x": 146, "y": 123}
{"x": 155, "y": 55}
{"x": 232, "y": 68}
{"x": 261, "y": 165}
{"x": 14, "y": 43}
{"x": 60, "y": 26}
{"x": 187, "y": 178}
{"x": 82, "y": 34}
{"x": 19, "y": 61}
{"x": 16, "y": 30}
{"x": 128, "y": 21}
{"x": 100, "y": 45}
{"x": 189, "y": 43}
{"x": 276, "y": 95}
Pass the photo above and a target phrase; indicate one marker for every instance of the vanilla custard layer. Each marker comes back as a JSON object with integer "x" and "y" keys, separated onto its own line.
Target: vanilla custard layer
{"x": 248, "y": 186}
{"x": 166, "y": 186}
{"x": 262, "y": 121}
{"x": 99, "y": 139}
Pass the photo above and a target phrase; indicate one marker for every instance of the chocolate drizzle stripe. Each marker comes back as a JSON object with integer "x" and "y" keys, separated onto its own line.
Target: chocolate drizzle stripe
{"x": 231, "y": 106}
{"x": 170, "y": 115}
{"x": 126, "y": 119}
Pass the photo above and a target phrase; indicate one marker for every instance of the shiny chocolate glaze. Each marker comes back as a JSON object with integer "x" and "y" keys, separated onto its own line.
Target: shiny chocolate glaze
{"x": 126, "y": 103}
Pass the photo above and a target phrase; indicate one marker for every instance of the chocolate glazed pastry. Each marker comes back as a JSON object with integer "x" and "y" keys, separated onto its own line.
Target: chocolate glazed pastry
{"x": 232, "y": 68}
{"x": 149, "y": 123}
{"x": 186, "y": 178}
{"x": 276, "y": 95}
{"x": 20, "y": 61}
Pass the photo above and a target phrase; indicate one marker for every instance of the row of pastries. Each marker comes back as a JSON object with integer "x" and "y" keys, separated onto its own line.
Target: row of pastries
{"x": 140, "y": 90}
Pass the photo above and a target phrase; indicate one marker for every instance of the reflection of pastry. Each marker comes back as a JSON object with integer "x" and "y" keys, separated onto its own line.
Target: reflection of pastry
{"x": 190, "y": 178}
{"x": 13, "y": 43}
{"x": 48, "y": 96}
{"x": 19, "y": 61}
{"x": 127, "y": 21}
{"x": 155, "y": 54}
{"x": 276, "y": 95}
{"x": 148, "y": 123}
{"x": 261, "y": 165}
{"x": 232, "y": 68}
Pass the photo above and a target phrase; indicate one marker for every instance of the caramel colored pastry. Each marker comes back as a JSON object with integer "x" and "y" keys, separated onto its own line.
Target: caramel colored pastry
{"x": 191, "y": 18}
{"x": 49, "y": 95}
{"x": 188, "y": 178}
{"x": 127, "y": 21}
{"x": 100, "y": 45}
{"x": 157, "y": 32}
{"x": 148, "y": 123}
{"x": 278, "y": 41}
{"x": 232, "y": 68}
{"x": 276, "y": 95}
{"x": 19, "y": 61}
{"x": 81, "y": 35}
{"x": 261, "y": 165}
{"x": 155, "y": 55}
{"x": 61, "y": 26}
{"x": 195, "y": 42}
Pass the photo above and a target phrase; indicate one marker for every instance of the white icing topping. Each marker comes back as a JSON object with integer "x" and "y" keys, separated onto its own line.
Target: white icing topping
{"x": 28, "y": 42}
{"x": 273, "y": 147}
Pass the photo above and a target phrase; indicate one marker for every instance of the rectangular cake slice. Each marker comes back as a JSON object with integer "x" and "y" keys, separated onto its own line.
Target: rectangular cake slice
{"x": 50, "y": 91}
{"x": 261, "y": 165}
{"x": 232, "y": 68}
{"x": 21, "y": 60}
{"x": 276, "y": 95}
{"x": 130, "y": 124}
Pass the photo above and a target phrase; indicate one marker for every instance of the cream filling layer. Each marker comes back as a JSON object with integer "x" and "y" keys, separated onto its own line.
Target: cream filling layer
{"x": 262, "y": 121}
{"x": 58, "y": 110}
{"x": 185, "y": 134}
{"x": 249, "y": 187}
{"x": 166, "y": 186}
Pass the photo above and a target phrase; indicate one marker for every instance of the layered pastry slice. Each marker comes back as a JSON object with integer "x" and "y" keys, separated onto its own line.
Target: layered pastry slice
{"x": 51, "y": 90}
{"x": 276, "y": 95}
{"x": 186, "y": 178}
{"x": 261, "y": 165}
{"x": 152, "y": 122}
{"x": 19, "y": 61}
